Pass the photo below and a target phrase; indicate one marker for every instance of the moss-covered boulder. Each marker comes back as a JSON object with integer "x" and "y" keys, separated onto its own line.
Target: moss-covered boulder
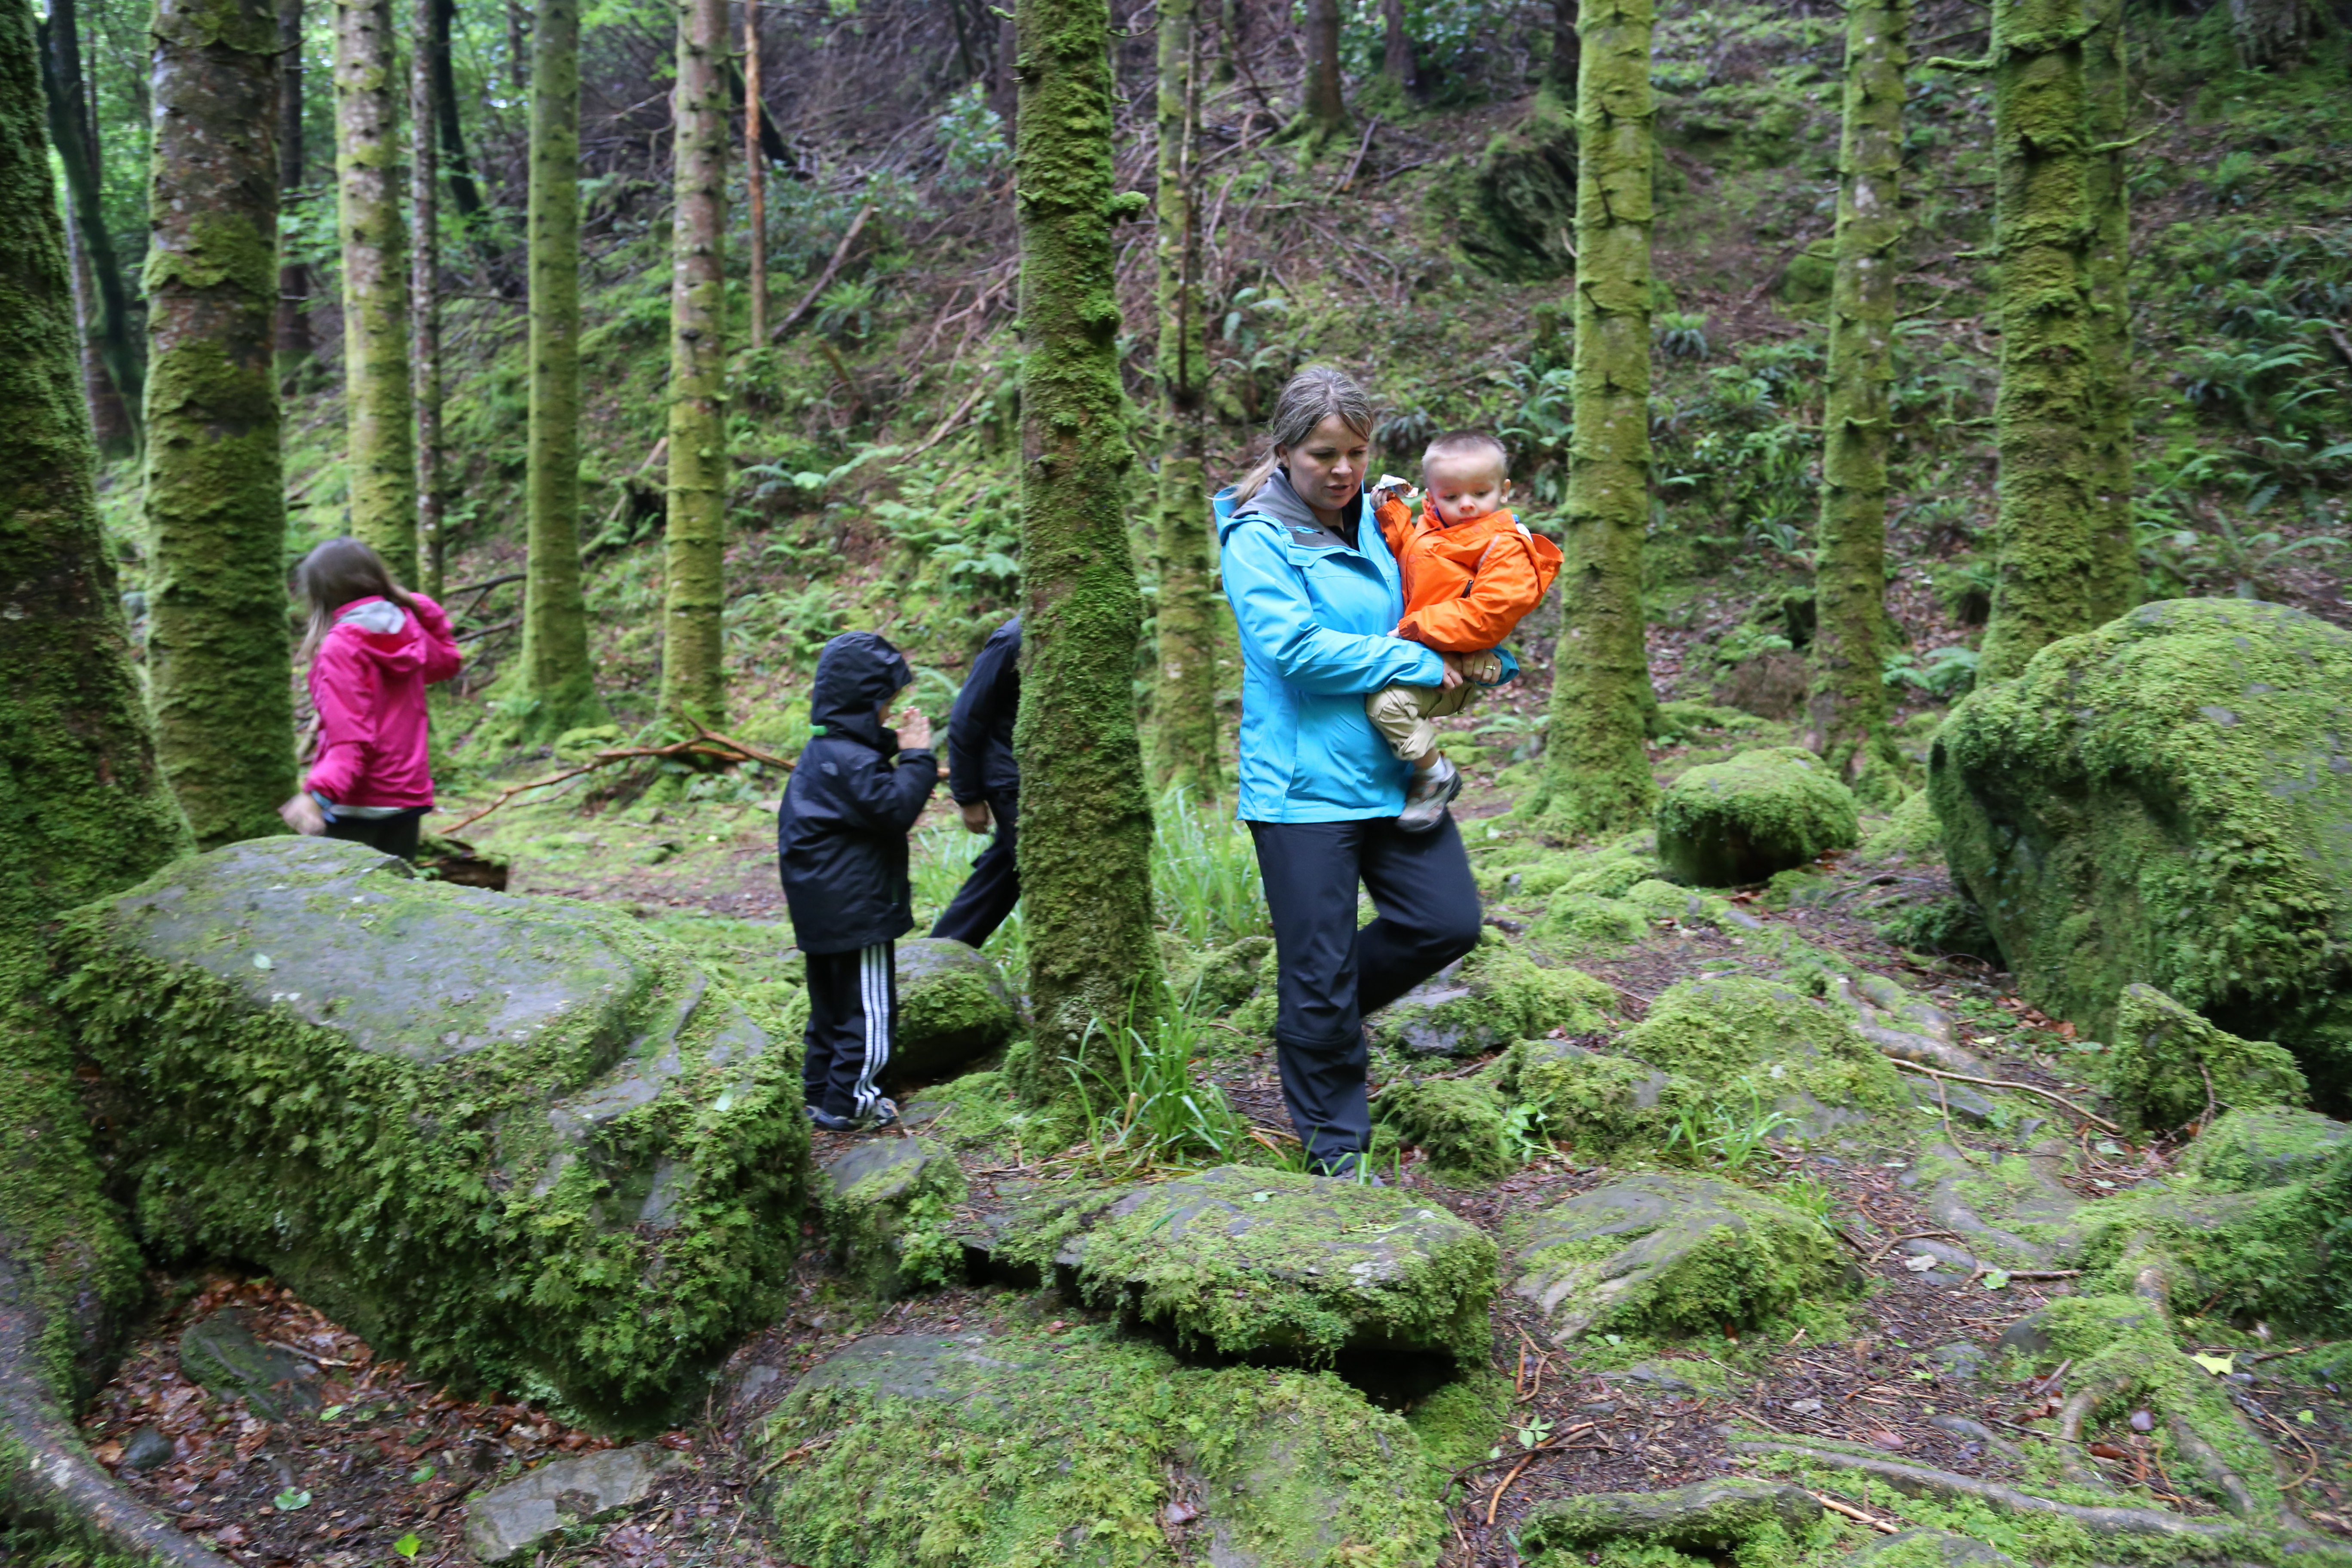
{"x": 1220, "y": 979}
{"x": 2169, "y": 800}
{"x": 1724, "y": 824}
{"x": 1593, "y": 1100}
{"x": 1244, "y": 1260}
{"x": 1738, "y": 1038}
{"x": 953, "y": 1005}
{"x": 1583, "y": 922}
{"x": 1667, "y": 1253}
{"x": 2169, "y": 1067}
{"x": 2264, "y": 1146}
{"x": 1710, "y": 1518}
{"x": 970, "y": 1451}
{"x": 514, "y": 1140}
{"x": 1464, "y": 1125}
{"x": 890, "y": 1212}
{"x": 1489, "y": 999}
{"x": 2283, "y": 1253}
{"x": 1910, "y": 833}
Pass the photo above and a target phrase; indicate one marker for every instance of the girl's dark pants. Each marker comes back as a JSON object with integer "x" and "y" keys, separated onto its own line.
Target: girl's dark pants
{"x": 1332, "y": 973}
{"x": 394, "y": 835}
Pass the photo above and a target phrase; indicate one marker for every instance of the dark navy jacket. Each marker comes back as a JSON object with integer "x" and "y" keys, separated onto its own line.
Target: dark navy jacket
{"x": 980, "y": 730}
{"x": 841, "y": 833}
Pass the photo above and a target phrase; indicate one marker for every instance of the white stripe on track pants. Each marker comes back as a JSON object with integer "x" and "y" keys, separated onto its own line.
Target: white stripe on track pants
{"x": 853, "y": 1006}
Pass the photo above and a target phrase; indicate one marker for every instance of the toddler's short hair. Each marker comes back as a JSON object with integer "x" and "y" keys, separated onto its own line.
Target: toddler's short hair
{"x": 1460, "y": 445}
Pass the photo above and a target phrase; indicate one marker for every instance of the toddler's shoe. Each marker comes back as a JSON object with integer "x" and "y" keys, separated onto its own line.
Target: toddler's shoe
{"x": 1431, "y": 792}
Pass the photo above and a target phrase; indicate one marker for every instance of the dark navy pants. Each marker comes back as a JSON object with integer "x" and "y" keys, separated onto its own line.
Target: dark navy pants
{"x": 1333, "y": 974}
{"x": 989, "y": 894}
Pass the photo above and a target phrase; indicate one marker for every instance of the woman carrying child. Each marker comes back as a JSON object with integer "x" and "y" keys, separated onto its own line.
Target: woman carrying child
{"x": 1316, "y": 597}
{"x": 373, "y": 648}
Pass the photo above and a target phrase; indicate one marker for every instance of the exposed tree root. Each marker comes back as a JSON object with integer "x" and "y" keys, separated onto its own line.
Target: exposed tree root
{"x": 707, "y": 743}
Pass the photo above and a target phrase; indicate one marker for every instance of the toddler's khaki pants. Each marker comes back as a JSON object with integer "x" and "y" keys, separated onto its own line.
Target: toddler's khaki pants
{"x": 1402, "y": 714}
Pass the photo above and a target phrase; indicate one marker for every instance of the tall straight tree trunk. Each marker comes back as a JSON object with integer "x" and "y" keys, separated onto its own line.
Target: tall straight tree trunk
{"x": 518, "y": 49}
{"x": 88, "y": 811}
{"x": 216, "y": 641}
{"x": 1185, "y": 697}
{"x": 455, "y": 167}
{"x": 296, "y": 343}
{"x": 1567, "y": 50}
{"x": 1597, "y": 774}
{"x": 77, "y": 144}
{"x": 755, "y": 173}
{"x": 1003, "y": 85}
{"x": 2114, "y": 572}
{"x": 110, "y": 420}
{"x": 1849, "y": 712}
{"x": 1085, "y": 820}
{"x": 1396, "y": 48}
{"x": 424, "y": 289}
{"x": 555, "y": 615}
{"x": 2048, "y": 413}
{"x": 383, "y": 439}
{"x": 694, "y": 669}
{"x": 1322, "y": 108}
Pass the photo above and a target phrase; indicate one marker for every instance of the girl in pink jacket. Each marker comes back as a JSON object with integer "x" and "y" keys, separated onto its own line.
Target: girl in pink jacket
{"x": 372, "y": 649}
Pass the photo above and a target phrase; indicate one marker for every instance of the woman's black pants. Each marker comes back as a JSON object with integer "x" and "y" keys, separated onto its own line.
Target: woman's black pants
{"x": 1332, "y": 973}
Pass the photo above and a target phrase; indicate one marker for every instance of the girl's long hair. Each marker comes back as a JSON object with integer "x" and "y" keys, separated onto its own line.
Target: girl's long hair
{"x": 1310, "y": 397}
{"x": 333, "y": 575}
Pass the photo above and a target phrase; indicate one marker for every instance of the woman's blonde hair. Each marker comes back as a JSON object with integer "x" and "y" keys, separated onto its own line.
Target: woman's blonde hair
{"x": 337, "y": 573}
{"x": 1310, "y": 397}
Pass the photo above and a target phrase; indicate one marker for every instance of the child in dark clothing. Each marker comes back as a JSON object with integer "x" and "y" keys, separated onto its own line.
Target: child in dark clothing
{"x": 841, "y": 851}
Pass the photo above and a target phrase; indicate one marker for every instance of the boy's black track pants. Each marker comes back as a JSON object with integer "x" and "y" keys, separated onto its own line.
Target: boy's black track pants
{"x": 1332, "y": 973}
{"x": 853, "y": 1006}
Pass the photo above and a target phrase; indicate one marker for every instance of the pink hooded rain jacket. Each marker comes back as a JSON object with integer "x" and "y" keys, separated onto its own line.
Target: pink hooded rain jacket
{"x": 368, "y": 683}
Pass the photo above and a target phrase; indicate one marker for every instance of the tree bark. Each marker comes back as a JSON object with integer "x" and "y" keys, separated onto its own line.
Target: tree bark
{"x": 1184, "y": 697}
{"x": 694, "y": 671}
{"x": 518, "y": 49}
{"x": 556, "y": 671}
{"x": 382, "y": 442}
{"x": 425, "y": 291}
{"x": 755, "y": 173}
{"x": 2047, "y": 411}
{"x": 77, "y": 146}
{"x": 455, "y": 167}
{"x": 2271, "y": 32}
{"x": 1003, "y": 85}
{"x": 1567, "y": 50}
{"x": 1597, "y": 775}
{"x": 1396, "y": 48}
{"x": 216, "y": 642}
{"x": 1085, "y": 839}
{"x": 295, "y": 342}
{"x": 1851, "y": 717}
{"x": 2114, "y": 572}
{"x": 1322, "y": 107}
{"x": 110, "y": 420}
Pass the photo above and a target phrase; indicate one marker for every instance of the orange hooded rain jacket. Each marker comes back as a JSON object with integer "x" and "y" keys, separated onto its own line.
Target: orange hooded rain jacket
{"x": 1466, "y": 586}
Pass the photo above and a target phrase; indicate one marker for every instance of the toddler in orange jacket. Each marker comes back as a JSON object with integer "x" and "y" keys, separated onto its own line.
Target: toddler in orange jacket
{"x": 1470, "y": 571}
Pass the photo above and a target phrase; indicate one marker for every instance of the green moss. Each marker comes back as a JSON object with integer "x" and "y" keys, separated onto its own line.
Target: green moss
{"x": 2163, "y": 801}
{"x": 1499, "y": 996}
{"x": 2283, "y": 1252}
{"x": 1021, "y": 1453}
{"x": 1220, "y": 979}
{"x": 2169, "y": 1066}
{"x": 1577, "y": 921}
{"x": 1799, "y": 1052}
{"x": 381, "y": 429}
{"x": 1607, "y": 871}
{"x": 1462, "y": 1125}
{"x": 1595, "y": 1100}
{"x": 1459, "y": 1423}
{"x": 2264, "y": 1146}
{"x": 890, "y": 1212}
{"x": 1909, "y": 833}
{"x": 1761, "y": 812}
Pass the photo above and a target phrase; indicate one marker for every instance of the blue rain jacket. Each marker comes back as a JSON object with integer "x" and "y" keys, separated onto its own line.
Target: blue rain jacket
{"x": 1315, "y": 614}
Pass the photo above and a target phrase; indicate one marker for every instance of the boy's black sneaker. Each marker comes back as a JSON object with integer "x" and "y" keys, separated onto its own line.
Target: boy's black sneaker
{"x": 883, "y": 1114}
{"x": 1431, "y": 792}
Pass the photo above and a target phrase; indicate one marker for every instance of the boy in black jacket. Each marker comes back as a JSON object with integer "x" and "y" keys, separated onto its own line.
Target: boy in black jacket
{"x": 841, "y": 851}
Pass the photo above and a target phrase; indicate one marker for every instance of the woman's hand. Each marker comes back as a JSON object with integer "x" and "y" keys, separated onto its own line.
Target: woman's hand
{"x": 1454, "y": 675}
{"x": 302, "y": 814}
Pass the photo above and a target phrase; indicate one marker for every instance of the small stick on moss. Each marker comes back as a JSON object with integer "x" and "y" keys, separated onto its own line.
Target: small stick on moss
{"x": 1834, "y": 1506}
{"x": 1497, "y": 1501}
{"x": 2008, "y": 1083}
{"x": 1880, "y": 1256}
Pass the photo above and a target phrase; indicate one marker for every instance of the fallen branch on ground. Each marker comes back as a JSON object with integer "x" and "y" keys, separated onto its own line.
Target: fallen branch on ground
{"x": 1847, "y": 1509}
{"x": 706, "y": 743}
{"x": 840, "y": 255}
{"x": 2009, "y": 1083}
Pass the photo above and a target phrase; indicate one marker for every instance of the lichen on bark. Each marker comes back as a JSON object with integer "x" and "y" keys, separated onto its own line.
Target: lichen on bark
{"x": 218, "y": 649}
{"x": 1850, "y": 714}
{"x": 1184, "y": 695}
{"x": 374, "y": 239}
{"x": 556, "y": 678}
{"x": 2062, "y": 416}
{"x": 1085, "y": 841}
{"x": 694, "y": 670}
{"x": 1597, "y": 774}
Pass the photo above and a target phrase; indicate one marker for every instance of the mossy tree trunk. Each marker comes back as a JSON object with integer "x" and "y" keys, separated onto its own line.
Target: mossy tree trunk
{"x": 455, "y": 167}
{"x": 296, "y": 342}
{"x": 87, "y": 807}
{"x": 379, "y": 411}
{"x": 1322, "y": 105}
{"x": 2114, "y": 572}
{"x": 1597, "y": 774}
{"x": 1085, "y": 821}
{"x": 110, "y": 420}
{"x": 2055, "y": 417}
{"x": 217, "y": 644}
{"x": 1184, "y": 690}
{"x": 755, "y": 171}
{"x": 424, "y": 289}
{"x": 694, "y": 671}
{"x": 1567, "y": 50}
{"x": 1849, "y": 712}
{"x": 555, "y": 666}
{"x": 78, "y": 151}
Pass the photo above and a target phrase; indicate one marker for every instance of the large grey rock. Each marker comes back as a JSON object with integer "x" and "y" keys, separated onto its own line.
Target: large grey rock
{"x": 1076, "y": 1448}
{"x": 507, "y": 1521}
{"x": 1246, "y": 1261}
{"x": 2265, "y": 1146}
{"x": 1662, "y": 1253}
{"x": 1484, "y": 1003}
{"x": 224, "y": 1354}
{"x": 890, "y": 1211}
{"x": 1709, "y": 1516}
{"x": 477, "y": 1129}
{"x": 953, "y": 1005}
